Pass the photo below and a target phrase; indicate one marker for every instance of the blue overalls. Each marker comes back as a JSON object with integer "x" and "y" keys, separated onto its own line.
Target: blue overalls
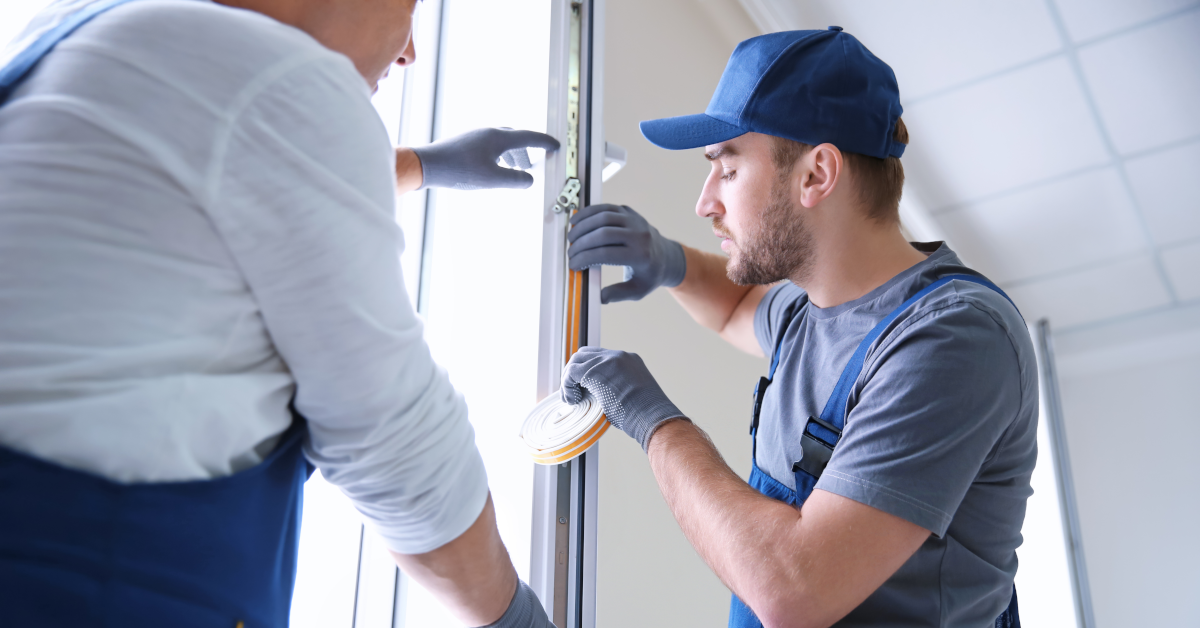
{"x": 821, "y": 435}
{"x": 79, "y": 550}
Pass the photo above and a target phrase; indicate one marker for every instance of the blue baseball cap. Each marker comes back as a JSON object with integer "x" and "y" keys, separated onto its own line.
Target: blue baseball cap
{"x": 809, "y": 86}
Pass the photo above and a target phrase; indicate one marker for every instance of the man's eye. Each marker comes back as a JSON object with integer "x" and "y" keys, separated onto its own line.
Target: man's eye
{"x": 728, "y": 174}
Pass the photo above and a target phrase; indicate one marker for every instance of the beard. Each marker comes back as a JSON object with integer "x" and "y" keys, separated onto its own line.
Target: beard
{"x": 779, "y": 247}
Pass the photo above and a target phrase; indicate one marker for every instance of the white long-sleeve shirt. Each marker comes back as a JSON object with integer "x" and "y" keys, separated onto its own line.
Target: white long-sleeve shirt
{"x": 196, "y": 229}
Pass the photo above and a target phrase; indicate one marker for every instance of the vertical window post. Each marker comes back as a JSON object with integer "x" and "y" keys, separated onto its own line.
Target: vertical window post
{"x": 563, "y": 557}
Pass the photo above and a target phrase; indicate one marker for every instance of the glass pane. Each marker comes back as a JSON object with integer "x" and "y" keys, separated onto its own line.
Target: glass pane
{"x": 388, "y": 100}
{"x": 1044, "y": 579}
{"x": 14, "y": 15}
{"x": 328, "y": 565}
{"x": 485, "y": 257}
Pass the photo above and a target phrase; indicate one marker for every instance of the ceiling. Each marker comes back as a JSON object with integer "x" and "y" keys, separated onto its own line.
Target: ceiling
{"x": 1055, "y": 143}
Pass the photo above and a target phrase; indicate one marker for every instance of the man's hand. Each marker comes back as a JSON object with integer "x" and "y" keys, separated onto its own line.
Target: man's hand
{"x": 615, "y": 235}
{"x": 631, "y": 398}
{"x": 471, "y": 161}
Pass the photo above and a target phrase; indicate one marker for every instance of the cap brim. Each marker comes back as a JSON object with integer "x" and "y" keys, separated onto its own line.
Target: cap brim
{"x": 684, "y": 132}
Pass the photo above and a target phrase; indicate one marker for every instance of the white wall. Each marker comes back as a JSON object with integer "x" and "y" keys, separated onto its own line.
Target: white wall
{"x": 1131, "y": 406}
{"x": 664, "y": 58}
{"x": 1130, "y": 390}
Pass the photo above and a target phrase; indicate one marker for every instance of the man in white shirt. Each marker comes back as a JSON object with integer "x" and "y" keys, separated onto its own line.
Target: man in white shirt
{"x": 197, "y": 244}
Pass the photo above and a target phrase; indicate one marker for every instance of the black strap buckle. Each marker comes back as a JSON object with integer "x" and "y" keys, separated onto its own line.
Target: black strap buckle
{"x": 760, "y": 391}
{"x": 816, "y": 450}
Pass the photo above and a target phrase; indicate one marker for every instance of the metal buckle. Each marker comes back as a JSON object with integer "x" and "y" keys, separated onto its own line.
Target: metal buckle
{"x": 816, "y": 452}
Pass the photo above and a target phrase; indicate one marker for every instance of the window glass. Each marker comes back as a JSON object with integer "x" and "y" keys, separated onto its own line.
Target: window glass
{"x": 15, "y": 15}
{"x": 485, "y": 256}
{"x": 1044, "y": 579}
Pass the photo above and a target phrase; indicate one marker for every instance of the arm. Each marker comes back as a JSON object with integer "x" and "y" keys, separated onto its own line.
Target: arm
{"x": 717, "y": 303}
{"x": 793, "y": 568}
{"x": 408, "y": 171}
{"x": 471, "y": 575}
{"x": 807, "y": 567}
{"x": 304, "y": 204}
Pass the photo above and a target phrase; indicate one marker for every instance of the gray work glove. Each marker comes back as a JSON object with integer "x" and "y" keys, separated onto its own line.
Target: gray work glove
{"x": 471, "y": 161}
{"x": 524, "y": 611}
{"x": 615, "y": 235}
{"x": 628, "y": 393}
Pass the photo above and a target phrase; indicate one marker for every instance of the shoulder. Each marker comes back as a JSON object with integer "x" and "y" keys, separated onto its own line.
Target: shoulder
{"x": 781, "y": 302}
{"x": 962, "y": 323}
{"x": 202, "y": 46}
{"x": 218, "y": 26}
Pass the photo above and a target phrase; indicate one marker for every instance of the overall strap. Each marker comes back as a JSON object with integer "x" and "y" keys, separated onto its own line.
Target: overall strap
{"x": 760, "y": 389}
{"x": 24, "y": 61}
{"x": 835, "y": 409}
{"x": 822, "y": 434}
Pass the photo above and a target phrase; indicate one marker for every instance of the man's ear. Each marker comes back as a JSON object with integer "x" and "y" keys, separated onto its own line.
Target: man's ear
{"x": 820, "y": 170}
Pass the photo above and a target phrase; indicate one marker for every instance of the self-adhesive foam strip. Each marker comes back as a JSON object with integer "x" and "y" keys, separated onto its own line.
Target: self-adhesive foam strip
{"x": 555, "y": 432}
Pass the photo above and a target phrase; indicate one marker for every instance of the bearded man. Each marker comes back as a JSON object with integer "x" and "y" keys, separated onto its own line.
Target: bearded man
{"x": 898, "y": 421}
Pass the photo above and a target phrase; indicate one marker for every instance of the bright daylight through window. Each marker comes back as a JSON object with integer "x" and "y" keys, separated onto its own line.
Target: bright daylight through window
{"x": 482, "y": 256}
{"x": 485, "y": 256}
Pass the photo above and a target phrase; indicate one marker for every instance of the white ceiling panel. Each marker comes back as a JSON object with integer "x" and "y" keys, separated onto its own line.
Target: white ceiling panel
{"x": 1086, "y": 19}
{"x": 925, "y": 41}
{"x": 1147, "y": 83}
{"x": 1047, "y": 229}
{"x": 1092, "y": 295}
{"x": 1183, "y": 268}
{"x": 1026, "y": 126}
{"x": 1167, "y": 186}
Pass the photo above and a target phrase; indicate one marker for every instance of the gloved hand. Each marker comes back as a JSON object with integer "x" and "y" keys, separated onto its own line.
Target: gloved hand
{"x": 615, "y": 235}
{"x": 631, "y": 398}
{"x": 470, "y": 161}
{"x": 524, "y": 611}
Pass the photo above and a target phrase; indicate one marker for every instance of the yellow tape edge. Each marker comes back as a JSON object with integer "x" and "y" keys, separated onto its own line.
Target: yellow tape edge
{"x": 571, "y": 451}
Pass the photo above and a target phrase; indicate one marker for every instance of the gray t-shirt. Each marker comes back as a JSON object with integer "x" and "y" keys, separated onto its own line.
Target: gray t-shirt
{"x": 941, "y": 430}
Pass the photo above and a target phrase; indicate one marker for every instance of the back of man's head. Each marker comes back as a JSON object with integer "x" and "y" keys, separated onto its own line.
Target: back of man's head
{"x": 878, "y": 182}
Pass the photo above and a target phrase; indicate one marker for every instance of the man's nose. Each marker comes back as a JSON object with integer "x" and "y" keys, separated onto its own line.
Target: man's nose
{"x": 709, "y": 205}
{"x": 409, "y": 56}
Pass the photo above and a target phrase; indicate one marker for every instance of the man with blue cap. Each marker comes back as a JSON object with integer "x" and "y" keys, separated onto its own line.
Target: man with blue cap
{"x": 894, "y": 436}
{"x": 202, "y": 301}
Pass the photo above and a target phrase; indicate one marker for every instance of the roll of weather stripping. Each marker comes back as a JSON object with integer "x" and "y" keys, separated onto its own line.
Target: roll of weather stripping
{"x": 556, "y": 432}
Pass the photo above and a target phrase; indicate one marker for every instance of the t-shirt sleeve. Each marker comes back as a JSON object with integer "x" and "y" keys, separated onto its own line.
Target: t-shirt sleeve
{"x": 769, "y": 315}
{"x": 302, "y": 191}
{"x": 942, "y": 393}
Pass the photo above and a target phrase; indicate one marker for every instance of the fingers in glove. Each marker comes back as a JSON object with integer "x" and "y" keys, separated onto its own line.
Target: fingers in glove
{"x": 602, "y": 256}
{"x": 510, "y": 179}
{"x": 592, "y": 210}
{"x": 625, "y": 291}
{"x": 576, "y": 369}
{"x": 593, "y": 222}
{"x": 528, "y": 139}
{"x": 517, "y": 158}
{"x": 604, "y": 236}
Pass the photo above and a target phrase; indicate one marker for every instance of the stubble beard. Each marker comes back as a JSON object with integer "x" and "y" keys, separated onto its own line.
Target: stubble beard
{"x": 778, "y": 247}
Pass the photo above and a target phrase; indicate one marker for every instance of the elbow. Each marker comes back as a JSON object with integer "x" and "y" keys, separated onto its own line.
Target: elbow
{"x": 789, "y": 609}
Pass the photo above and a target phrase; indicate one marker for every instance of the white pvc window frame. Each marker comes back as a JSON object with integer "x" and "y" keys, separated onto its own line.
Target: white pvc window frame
{"x": 563, "y": 569}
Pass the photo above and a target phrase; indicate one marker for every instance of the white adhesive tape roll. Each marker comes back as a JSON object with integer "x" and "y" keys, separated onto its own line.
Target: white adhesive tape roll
{"x": 555, "y": 432}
